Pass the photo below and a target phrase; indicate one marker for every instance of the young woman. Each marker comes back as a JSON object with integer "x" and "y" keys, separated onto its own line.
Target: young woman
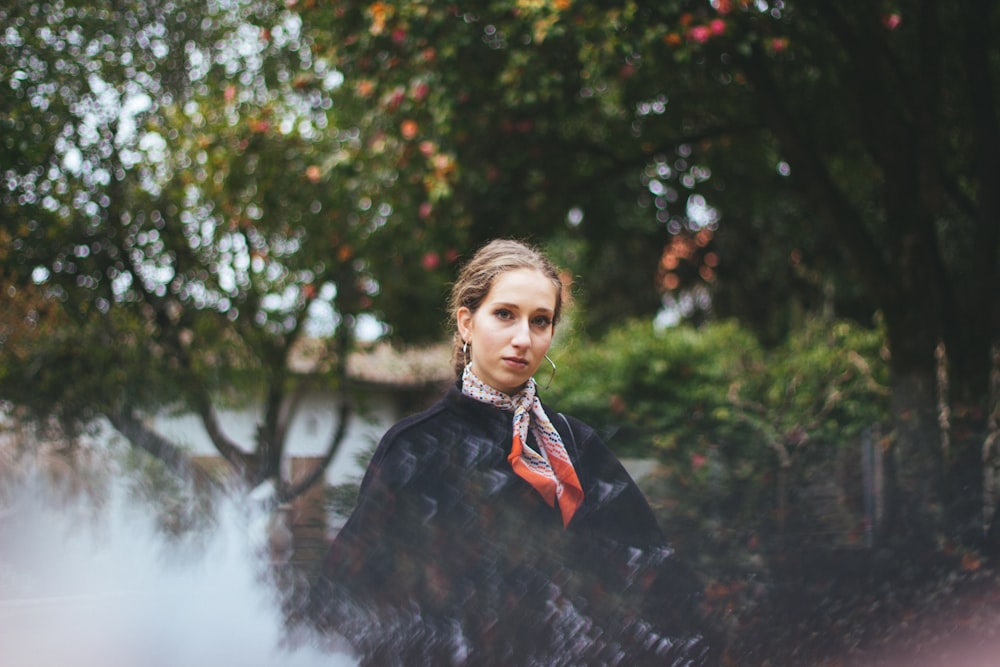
{"x": 493, "y": 530}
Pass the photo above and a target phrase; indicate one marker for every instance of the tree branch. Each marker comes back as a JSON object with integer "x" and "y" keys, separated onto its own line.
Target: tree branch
{"x": 298, "y": 487}
{"x": 225, "y": 446}
{"x": 154, "y": 444}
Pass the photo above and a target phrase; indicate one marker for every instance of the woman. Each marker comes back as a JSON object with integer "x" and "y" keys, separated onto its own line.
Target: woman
{"x": 492, "y": 530}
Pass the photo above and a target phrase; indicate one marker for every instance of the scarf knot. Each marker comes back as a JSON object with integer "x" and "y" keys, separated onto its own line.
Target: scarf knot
{"x": 549, "y": 470}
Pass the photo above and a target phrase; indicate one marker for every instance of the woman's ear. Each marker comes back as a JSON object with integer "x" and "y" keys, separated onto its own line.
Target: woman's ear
{"x": 463, "y": 320}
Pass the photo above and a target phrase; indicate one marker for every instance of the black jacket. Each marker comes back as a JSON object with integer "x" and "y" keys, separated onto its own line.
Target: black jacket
{"x": 450, "y": 558}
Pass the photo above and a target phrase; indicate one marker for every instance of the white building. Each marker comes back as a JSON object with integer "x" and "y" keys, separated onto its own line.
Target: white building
{"x": 387, "y": 384}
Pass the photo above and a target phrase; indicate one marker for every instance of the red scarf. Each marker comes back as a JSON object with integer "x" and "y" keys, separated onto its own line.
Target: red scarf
{"x": 549, "y": 471}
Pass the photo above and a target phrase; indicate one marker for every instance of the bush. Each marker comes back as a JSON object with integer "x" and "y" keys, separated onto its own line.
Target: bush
{"x": 654, "y": 393}
{"x": 753, "y": 444}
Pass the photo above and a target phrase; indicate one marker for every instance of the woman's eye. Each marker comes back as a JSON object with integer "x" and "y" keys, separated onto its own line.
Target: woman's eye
{"x": 503, "y": 314}
{"x": 542, "y": 322}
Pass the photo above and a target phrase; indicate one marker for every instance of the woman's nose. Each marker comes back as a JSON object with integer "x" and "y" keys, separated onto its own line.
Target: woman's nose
{"x": 522, "y": 334}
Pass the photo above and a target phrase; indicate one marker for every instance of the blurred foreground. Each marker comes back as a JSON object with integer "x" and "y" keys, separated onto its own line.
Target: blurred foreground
{"x": 97, "y": 569}
{"x": 92, "y": 573}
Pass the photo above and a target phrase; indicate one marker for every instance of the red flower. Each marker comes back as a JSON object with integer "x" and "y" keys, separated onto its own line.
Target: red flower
{"x": 420, "y": 91}
{"x": 395, "y": 99}
{"x": 699, "y": 33}
{"x": 779, "y": 44}
{"x": 427, "y": 148}
{"x": 430, "y": 261}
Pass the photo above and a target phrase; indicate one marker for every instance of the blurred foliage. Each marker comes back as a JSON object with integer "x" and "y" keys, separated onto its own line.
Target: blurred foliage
{"x": 381, "y": 142}
{"x": 73, "y": 372}
{"x": 756, "y": 160}
{"x": 176, "y": 215}
{"x": 763, "y": 154}
{"x": 744, "y": 437}
{"x": 758, "y": 451}
{"x": 203, "y": 186}
{"x": 652, "y": 390}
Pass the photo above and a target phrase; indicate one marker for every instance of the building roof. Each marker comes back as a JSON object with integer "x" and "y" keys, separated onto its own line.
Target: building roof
{"x": 380, "y": 363}
{"x": 387, "y": 365}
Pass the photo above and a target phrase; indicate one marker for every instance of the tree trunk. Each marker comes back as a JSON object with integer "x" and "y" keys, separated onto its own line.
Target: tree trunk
{"x": 981, "y": 327}
{"x": 917, "y": 503}
{"x": 143, "y": 438}
{"x": 915, "y": 486}
{"x": 991, "y": 458}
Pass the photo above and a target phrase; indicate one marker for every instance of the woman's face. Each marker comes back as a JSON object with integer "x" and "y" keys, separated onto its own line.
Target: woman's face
{"x": 510, "y": 332}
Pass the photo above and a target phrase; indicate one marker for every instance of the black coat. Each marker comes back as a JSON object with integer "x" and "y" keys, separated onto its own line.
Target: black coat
{"x": 450, "y": 558}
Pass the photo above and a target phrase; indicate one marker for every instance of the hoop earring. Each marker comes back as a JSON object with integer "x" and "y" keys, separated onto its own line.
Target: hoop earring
{"x": 465, "y": 353}
{"x": 553, "y": 364}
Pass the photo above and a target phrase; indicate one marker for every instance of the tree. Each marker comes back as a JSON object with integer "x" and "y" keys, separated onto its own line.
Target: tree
{"x": 827, "y": 144}
{"x": 882, "y": 159}
{"x": 171, "y": 186}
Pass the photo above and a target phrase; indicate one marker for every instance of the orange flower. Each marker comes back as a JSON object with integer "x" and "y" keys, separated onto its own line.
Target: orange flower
{"x": 409, "y": 128}
{"x": 259, "y": 126}
{"x": 970, "y": 562}
{"x": 380, "y": 13}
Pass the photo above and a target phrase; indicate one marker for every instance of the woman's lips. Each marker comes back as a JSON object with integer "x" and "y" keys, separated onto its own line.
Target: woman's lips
{"x": 516, "y": 362}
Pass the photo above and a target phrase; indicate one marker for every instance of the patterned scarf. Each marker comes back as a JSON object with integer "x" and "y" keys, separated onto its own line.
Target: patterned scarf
{"x": 550, "y": 472}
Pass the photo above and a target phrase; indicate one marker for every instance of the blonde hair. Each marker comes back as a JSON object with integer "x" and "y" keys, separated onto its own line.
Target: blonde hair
{"x": 477, "y": 277}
